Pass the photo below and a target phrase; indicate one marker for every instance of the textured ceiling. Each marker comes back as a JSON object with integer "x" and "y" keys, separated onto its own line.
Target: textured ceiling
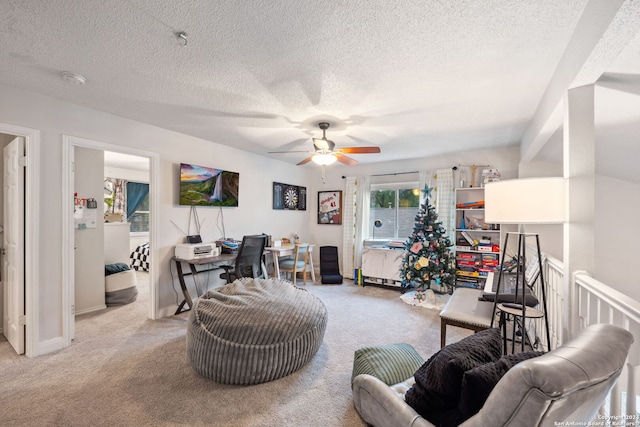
{"x": 416, "y": 78}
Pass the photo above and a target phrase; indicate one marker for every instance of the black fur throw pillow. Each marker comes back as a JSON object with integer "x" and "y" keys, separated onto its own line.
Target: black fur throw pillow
{"x": 436, "y": 393}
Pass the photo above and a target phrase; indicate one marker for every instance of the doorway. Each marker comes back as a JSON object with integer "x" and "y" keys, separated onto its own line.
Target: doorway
{"x": 69, "y": 150}
{"x": 29, "y": 256}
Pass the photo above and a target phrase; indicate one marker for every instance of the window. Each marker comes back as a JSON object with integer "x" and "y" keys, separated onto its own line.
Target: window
{"x": 396, "y": 206}
{"x": 140, "y": 218}
{"x": 138, "y": 206}
{"x": 123, "y": 196}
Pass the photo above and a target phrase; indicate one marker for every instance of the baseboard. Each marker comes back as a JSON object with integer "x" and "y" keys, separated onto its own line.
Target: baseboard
{"x": 49, "y": 346}
{"x": 90, "y": 309}
{"x": 167, "y": 311}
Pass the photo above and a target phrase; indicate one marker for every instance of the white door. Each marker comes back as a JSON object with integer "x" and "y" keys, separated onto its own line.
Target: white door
{"x": 13, "y": 244}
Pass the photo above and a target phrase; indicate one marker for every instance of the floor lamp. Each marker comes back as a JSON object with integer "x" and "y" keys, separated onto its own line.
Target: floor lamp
{"x": 524, "y": 201}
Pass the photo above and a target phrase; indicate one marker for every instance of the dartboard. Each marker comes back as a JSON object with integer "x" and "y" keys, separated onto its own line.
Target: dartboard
{"x": 291, "y": 197}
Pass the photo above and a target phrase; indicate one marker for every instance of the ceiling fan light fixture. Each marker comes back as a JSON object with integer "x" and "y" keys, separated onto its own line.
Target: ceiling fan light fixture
{"x": 324, "y": 159}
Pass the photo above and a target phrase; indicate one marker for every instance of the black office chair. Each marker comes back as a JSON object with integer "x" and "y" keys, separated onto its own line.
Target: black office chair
{"x": 249, "y": 260}
{"x": 329, "y": 268}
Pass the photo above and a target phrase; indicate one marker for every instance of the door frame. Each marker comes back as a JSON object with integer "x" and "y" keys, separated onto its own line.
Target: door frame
{"x": 68, "y": 258}
{"x": 32, "y": 234}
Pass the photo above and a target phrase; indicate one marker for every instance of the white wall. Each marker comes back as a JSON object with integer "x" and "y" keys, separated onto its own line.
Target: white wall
{"x": 128, "y": 174}
{"x": 55, "y": 119}
{"x": 89, "y": 243}
{"x": 616, "y": 210}
{"x": 117, "y": 243}
{"x": 616, "y": 252}
{"x": 550, "y": 235}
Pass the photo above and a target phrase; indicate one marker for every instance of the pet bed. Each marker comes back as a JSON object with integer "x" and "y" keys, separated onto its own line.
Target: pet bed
{"x": 120, "y": 284}
{"x": 141, "y": 258}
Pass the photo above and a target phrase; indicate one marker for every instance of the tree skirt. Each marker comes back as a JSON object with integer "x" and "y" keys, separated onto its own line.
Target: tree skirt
{"x": 426, "y": 299}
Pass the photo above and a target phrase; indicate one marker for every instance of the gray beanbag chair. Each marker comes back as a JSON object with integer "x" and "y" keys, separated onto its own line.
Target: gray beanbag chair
{"x": 254, "y": 330}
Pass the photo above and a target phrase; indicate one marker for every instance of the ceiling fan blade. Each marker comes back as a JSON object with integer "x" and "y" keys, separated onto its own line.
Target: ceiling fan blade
{"x": 289, "y": 151}
{"x": 346, "y": 160}
{"x": 302, "y": 162}
{"x": 323, "y": 144}
{"x": 358, "y": 150}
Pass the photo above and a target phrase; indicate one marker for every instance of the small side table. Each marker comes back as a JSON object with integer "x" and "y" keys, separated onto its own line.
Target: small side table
{"x": 515, "y": 313}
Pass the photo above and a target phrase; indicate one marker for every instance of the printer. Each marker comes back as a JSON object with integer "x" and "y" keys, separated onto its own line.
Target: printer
{"x": 196, "y": 250}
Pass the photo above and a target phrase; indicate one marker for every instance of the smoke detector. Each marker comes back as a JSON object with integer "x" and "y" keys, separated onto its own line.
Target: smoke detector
{"x": 76, "y": 79}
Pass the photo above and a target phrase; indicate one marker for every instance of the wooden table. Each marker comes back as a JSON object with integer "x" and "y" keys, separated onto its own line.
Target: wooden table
{"x": 278, "y": 251}
{"x": 214, "y": 261}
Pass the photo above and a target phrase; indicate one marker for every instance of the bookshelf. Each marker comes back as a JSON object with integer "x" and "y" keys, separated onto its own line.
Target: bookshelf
{"x": 477, "y": 244}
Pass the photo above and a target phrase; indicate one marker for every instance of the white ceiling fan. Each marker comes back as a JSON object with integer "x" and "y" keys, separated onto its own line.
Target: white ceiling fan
{"x": 325, "y": 152}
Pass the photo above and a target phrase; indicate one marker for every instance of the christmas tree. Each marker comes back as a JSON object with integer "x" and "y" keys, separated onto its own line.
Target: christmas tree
{"x": 427, "y": 257}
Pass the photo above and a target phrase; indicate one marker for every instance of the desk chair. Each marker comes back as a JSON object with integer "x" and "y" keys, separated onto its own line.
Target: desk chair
{"x": 249, "y": 260}
{"x": 298, "y": 264}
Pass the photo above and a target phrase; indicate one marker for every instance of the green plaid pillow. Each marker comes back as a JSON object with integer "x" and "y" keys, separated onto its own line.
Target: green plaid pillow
{"x": 390, "y": 363}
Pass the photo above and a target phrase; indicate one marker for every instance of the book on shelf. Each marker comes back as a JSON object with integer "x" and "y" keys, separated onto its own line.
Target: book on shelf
{"x": 468, "y": 238}
{"x": 466, "y": 263}
{"x": 470, "y": 205}
{"x": 468, "y": 273}
{"x": 472, "y": 285}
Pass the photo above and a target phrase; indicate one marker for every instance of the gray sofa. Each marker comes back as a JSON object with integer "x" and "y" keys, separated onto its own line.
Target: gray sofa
{"x": 566, "y": 384}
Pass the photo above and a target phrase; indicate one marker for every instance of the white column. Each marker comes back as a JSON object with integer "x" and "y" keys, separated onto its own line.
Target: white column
{"x": 579, "y": 170}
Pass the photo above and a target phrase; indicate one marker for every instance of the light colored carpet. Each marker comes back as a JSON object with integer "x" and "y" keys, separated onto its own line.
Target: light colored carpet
{"x": 126, "y": 370}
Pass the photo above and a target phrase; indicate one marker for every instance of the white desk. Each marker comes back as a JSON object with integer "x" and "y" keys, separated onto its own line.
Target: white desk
{"x": 278, "y": 251}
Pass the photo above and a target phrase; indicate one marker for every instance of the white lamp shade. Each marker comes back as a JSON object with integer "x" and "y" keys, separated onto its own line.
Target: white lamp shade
{"x": 324, "y": 159}
{"x": 525, "y": 201}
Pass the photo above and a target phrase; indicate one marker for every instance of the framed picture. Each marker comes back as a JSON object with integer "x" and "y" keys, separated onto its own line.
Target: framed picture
{"x": 330, "y": 207}
{"x": 203, "y": 186}
{"x": 289, "y": 197}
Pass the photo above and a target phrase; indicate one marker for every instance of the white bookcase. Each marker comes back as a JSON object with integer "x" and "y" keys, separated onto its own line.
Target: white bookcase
{"x": 475, "y": 259}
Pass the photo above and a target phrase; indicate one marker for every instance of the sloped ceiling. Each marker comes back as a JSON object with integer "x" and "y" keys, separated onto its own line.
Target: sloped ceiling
{"x": 417, "y": 78}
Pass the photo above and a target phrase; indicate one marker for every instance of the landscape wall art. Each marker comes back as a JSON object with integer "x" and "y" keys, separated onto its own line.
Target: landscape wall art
{"x": 203, "y": 186}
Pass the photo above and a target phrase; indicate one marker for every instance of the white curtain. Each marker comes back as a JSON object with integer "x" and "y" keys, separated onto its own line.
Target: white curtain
{"x": 355, "y": 222}
{"x": 443, "y": 196}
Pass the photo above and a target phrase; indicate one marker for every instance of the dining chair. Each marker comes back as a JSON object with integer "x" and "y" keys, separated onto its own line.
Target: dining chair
{"x": 297, "y": 264}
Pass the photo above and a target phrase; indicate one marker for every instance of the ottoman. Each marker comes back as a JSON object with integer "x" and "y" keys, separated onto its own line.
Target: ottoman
{"x": 254, "y": 330}
{"x": 465, "y": 310}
